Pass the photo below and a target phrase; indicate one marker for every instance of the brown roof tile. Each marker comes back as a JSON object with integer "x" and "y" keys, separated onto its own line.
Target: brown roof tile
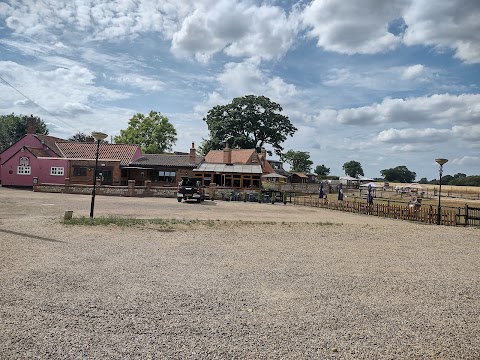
{"x": 239, "y": 156}
{"x": 38, "y": 152}
{"x": 50, "y": 142}
{"x": 267, "y": 168}
{"x": 76, "y": 150}
{"x": 170, "y": 160}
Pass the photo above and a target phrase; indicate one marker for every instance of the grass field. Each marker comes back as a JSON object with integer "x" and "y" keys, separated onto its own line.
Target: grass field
{"x": 452, "y": 196}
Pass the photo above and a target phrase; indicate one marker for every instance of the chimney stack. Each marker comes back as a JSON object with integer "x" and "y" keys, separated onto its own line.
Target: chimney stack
{"x": 193, "y": 154}
{"x": 227, "y": 154}
{"x": 31, "y": 124}
{"x": 263, "y": 152}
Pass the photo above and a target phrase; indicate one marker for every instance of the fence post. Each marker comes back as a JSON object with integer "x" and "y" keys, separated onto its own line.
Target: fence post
{"x": 466, "y": 214}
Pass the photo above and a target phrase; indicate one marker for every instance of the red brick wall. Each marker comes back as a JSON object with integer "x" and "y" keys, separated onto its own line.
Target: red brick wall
{"x": 90, "y": 165}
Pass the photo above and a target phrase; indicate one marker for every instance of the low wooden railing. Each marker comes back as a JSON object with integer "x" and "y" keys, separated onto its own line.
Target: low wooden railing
{"x": 425, "y": 214}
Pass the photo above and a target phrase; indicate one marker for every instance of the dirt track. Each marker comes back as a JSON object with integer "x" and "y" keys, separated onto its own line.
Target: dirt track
{"x": 300, "y": 283}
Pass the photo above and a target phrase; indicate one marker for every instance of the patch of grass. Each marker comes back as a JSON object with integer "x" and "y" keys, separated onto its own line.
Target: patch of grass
{"x": 105, "y": 220}
{"x": 173, "y": 224}
{"x": 326, "y": 223}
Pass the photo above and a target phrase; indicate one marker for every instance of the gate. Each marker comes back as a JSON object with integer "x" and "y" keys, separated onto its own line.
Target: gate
{"x": 472, "y": 215}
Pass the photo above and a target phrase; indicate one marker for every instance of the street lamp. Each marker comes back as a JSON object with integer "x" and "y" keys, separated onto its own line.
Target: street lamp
{"x": 440, "y": 162}
{"x": 99, "y": 137}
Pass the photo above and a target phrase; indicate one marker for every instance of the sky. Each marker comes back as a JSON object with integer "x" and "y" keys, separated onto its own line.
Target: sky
{"x": 385, "y": 83}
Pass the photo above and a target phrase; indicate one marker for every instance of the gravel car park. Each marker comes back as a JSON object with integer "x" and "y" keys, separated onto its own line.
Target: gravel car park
{"x": 231, "y": 280}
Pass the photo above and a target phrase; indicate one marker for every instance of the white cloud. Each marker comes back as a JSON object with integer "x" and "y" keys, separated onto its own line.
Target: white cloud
{"x": 58, "y": 91}
{"x": 238, "y": 28}
{"x": 351, "y": 27}
{"x": 470, "y": 133}
{"x": 436, "y": 109}
{"x": 198, "y": 28}
{"x": 446, "y": 24}
{"x": 467, "y": 160}
{"x": 144, "y": 83}
{"x": 413, "y": 71}
{"x": 428, "y": 135}
{"x": 244, "y": 78}
{"x": 76, "y": 108}
{"x": 213, "y": 99}
{"x": 201, "y": 28}
{"x": 400, "y": 78}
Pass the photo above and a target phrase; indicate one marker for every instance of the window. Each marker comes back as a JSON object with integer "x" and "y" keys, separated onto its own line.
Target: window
{"x": 57, "y": 171}
{"x": 79, "y": 171}
{"x": 24, "y": 170}
{"x": 166, "y": 176}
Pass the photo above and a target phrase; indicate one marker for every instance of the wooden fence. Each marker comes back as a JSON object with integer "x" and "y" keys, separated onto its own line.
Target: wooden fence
{"x": 472, "y": 215}
{"x": 425, "y": 214}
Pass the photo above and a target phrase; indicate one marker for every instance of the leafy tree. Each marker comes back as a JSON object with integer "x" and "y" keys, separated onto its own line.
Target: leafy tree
{"x": 298, "y": 160}
{"x": 154, "y": 133}
{"x": 82, "y": 137}
{"x": 447, "y": 179}
{"x": 247, "y": 122}
{"x": 423, "y": 181}
{"x": 399, "y": 174}
{"x": 79, "y": 137}
{"x": 353, "y": 168}
{"x": 14, "y": 127}
{"x": 322, "y": 170}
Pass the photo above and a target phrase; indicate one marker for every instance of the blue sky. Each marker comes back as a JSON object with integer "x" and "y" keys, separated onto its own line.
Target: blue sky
{"x": 385, "y": 83}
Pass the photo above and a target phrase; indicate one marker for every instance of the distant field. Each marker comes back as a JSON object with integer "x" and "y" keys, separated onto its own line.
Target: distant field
{"x": 448, "y": 188}
{"x": 454, "y": 196}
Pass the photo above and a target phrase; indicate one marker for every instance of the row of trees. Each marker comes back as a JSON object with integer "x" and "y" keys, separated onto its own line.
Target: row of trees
{"x": 247, "y": 122}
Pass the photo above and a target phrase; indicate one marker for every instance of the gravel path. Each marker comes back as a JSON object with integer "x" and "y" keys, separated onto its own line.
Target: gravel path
{"x": 287, "y": 282}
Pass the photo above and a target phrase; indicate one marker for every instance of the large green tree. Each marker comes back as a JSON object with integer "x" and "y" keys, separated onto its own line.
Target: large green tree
{"x": 14, "y": 127}
{"x": 353, "y": 168}
{"x": 299, "y": 161}
{"x": 398, "y": 174}
{"x": 154, "y": 133}
{"x": 322, "y": 170}
{"x": 247, "y": 122}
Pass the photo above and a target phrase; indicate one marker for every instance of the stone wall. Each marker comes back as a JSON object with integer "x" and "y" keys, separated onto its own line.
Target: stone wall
{"x": 130, "y": 190}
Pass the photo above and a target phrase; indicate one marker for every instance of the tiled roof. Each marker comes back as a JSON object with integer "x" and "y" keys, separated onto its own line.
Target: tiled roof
{"x": 267, "y": 168}
{"x": 282, "y": 172}
{"x": 300, "y": 174}
{"x": 38, "y": 152}
{"x": 77, "y": 150}
{"x": 167, "y": 160}
{"x": 239, "y": 156}
{"x": 50, "y": 142}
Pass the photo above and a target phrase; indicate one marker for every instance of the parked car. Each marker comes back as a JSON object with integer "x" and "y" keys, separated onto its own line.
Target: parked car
{"x": 190, "y": 189}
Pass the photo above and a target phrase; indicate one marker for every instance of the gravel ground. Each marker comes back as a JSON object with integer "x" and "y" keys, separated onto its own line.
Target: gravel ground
{"x": 285, "y": 282}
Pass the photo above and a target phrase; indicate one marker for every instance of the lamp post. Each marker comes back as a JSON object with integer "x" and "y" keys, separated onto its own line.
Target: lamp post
{"x": 97, "y": 136}
{"x": 440, "y": 162}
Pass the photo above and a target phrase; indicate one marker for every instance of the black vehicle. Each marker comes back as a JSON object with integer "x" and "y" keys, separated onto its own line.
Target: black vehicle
{"x": 190, "y": 189}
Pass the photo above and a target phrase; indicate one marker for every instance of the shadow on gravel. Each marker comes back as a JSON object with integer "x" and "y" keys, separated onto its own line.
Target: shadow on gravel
{"x": 30, "y": 236}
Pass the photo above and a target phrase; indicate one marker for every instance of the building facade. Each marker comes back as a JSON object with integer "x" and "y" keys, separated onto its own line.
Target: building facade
{"x": 33, "y": 159}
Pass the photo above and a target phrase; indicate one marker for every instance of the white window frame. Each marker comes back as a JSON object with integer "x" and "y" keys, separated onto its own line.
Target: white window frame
{"x": 24, "y": 170}
{"x": 57, "y": 171}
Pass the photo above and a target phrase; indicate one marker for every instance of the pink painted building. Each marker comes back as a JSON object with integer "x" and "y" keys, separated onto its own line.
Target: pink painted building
{"x": 46, "y": 159}
{"x": 34, "y": 158}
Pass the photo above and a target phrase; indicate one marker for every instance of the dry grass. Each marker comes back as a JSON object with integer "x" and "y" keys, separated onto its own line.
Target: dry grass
{"x": 447, "y": 188}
